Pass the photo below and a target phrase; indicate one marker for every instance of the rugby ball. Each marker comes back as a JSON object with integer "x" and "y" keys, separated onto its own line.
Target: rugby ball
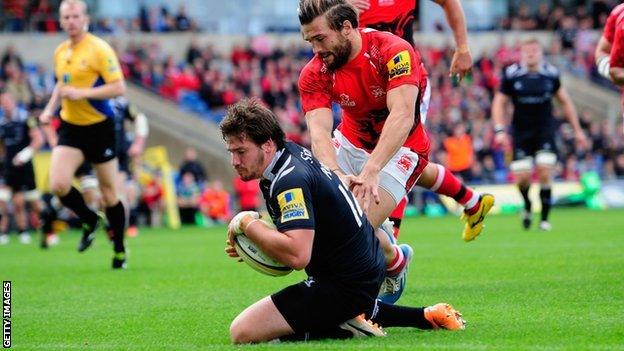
{"x": 257, "y": 259}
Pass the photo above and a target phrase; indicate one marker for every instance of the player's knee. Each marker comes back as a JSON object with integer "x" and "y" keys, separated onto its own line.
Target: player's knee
{"x": 110, "y": 198}
{"x": 239, "y": 333}
{"x": 60, "y": 187}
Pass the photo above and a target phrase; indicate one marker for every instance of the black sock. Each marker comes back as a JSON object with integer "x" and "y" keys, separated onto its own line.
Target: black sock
{"x": 545, "y": 197}
{"x": 400, "y": 316}
{"x": 524, "y": 190}
{"x": 75, "y": 202}
{"x": 116, "y": 216}
{"x": 48, "y": 215}
{"x": 330, "y": 333}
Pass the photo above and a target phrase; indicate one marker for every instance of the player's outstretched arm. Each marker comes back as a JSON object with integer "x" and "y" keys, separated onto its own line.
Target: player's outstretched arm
{"x": 401, "y": 102}
{"x": 498, "y": 117}
{"x": 320, "y": 124}
{"x": 102, "y": 92}
{"x": 46, "y": 115}
{"x": 462, "y": 60}
{"x": 571, "y": 115}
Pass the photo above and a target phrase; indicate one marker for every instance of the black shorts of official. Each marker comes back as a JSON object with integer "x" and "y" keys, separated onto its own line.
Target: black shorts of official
{"x": 96, "y": 141}
{"x": 317, "y": 304}
{"x": 21, "y": 179}
{"x": 527, "y": 145}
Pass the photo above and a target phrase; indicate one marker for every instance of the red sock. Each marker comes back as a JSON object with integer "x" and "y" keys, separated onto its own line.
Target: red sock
{"x": 397, "y": 264}
{"x": 397, "y": 215}
{"x": 447, "y": 184}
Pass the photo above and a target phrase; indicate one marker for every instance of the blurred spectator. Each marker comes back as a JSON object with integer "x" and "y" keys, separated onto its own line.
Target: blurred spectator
{"x": 460, "y": 153}
{"x": 215, "y": 202}
{"x": 151, "y": 205}
{"x": 188, "y": 194}
{"x": 43, "y": 17}
{"x": 192, "y": 166}
{"x": 247, "y": 193}
{"x": 17, "y": 85}
{"x": 10, "y": 56}
{"x": 14, "y": 12}
{"x": 182, "y": 21}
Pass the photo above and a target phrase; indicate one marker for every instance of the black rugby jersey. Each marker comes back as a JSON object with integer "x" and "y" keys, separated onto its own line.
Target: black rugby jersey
{"x": 531, "y": 94}
{"x": 300, "y": 193}
{"x": 15, "y": 133}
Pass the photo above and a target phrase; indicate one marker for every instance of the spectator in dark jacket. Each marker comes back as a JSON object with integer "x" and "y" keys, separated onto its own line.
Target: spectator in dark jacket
{"x": 191, "y": 165}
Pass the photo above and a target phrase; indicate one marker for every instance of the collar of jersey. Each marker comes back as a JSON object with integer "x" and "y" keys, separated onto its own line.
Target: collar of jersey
{"x": 268, "y": 173}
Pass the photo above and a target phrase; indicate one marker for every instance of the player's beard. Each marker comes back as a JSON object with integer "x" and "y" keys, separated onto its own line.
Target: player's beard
{"x": 341, "y": 53}
{"x": 255, "y": 171}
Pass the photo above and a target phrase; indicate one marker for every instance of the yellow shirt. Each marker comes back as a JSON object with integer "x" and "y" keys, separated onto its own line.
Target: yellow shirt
{"x": 90, "y": 63}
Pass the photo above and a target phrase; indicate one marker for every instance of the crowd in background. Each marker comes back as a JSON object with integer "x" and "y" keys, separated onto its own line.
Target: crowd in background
{"x": 42, "y": 16}
{"x": 557, "y": 18}
{"x": 207, "y": 81}
{"x": 457, "y": 116}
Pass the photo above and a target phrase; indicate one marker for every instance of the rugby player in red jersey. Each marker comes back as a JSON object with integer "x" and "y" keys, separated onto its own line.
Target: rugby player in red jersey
{"x": 610, "y": 49}
{"x": 381, "y": 85}
{"x": 397, "y": 17}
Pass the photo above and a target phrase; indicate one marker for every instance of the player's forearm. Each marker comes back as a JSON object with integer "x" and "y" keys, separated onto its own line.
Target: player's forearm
{"x": 320, "y": 122}
{"x": 36, "y": 140}
{"x": 54, "y": 101}
{"x": 141, "y": 127}
{"x": 498, "y": 108}
{"x": 571, "y": 116}
{"x": 323, "y": 150}
{"x": 276, "y": 244}
{"x": 106, "y": 91}
{"x": 457, "y": 21}
{"x": 393, "y": 136}
{"x": 617, "y": 75}
{"x": 603, "y": 48}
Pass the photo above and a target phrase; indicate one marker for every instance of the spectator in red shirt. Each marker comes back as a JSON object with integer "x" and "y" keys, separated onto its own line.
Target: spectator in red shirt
{"x": 247, "y": 194}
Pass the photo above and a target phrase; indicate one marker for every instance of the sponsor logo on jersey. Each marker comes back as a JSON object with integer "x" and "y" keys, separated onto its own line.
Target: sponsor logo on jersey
{"x": 345, "y": 100}
{"x": 377, "y": 91}
{"x": 292, "y": 205}
{"x": 405, "y": 163}
{"x": 112, "y": 67}
{"x": 399, "y": 65}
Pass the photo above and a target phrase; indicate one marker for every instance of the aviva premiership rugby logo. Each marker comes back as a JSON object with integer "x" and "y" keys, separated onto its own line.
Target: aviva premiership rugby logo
{"x": 292, "y": 205}
{"x": 399, "y": 65}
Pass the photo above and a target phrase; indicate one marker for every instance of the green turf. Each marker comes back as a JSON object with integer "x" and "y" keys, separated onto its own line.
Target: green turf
{"x": 518, "y": 290}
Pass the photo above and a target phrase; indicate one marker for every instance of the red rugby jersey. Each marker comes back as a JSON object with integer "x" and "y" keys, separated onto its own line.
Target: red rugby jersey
{"x": 360, "y": 86}
{"x": 395, "y": 16}
{"x": 614, "y": 33}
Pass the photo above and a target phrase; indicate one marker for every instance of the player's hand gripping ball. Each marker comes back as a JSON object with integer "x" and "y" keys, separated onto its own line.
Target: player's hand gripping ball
{"x": 250, "y": 252}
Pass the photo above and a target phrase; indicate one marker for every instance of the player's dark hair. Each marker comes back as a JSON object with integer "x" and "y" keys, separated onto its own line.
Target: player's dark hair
{"x": 248, "y": 118}
{"x": 335, "y": 11}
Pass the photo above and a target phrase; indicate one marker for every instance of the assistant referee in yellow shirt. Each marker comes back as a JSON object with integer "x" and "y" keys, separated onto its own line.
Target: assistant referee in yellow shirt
{"x": 88, "y": 76}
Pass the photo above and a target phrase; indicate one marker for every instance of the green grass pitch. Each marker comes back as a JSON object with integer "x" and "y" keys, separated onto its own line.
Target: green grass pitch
{"x": 562, "y": 290}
